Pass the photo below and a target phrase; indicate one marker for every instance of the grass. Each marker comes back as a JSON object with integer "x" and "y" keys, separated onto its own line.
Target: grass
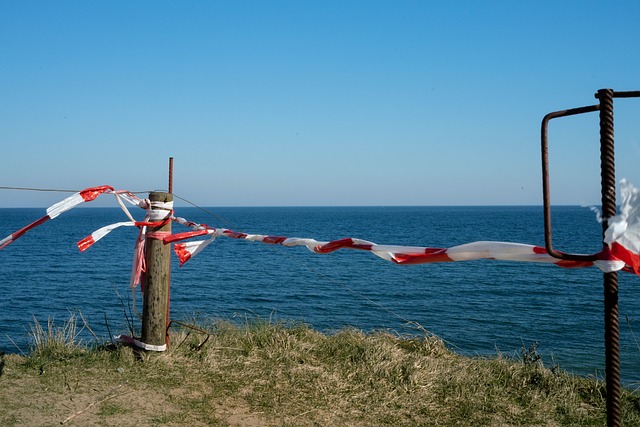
{"x": 261, "y": 373}
{"x": 54, "y": 341}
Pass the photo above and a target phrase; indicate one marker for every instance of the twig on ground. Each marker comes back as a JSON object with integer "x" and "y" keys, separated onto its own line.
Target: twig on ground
{"x": 110, "y": 395}
{"x": 14, "y": 343}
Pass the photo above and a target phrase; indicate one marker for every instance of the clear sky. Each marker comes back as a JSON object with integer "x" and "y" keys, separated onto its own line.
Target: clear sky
{"x": 314, "y": 102}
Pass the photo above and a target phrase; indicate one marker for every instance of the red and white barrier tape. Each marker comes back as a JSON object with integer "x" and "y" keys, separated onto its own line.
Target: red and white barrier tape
{"x": 621, "y": 252}
{"x": 622, "y": 238}
{"x": 623, "y": 233}
{"x": 405, "y": 255}
{"x": 53, "y": 211}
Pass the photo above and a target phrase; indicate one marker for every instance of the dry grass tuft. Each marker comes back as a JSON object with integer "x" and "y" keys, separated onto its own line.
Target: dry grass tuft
{"x": 56, "y": 340}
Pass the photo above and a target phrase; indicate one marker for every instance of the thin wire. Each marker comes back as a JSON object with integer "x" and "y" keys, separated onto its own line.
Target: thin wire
{"x": 407, "y": 321}
{"x": 208, "y": 212}
{"x": 281, "y": 249}
{"x": 326, "y": 277}
{"x": 54, "y": 190}
{"x": 38, "y": 189}
{"x": 364, "y": 297}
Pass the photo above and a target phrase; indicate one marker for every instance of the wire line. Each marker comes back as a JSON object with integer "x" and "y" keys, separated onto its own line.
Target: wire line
{"x": 208, "y": 212}
{"x": 54, "y": 190}
{"x": 328, "y": 278}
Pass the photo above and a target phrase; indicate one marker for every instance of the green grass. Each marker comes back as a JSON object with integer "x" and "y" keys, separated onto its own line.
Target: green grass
{"x": 263, "y": 373}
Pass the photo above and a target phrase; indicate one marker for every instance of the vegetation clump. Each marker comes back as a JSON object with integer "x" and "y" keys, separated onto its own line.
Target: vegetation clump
{"x": 262, "y": 373}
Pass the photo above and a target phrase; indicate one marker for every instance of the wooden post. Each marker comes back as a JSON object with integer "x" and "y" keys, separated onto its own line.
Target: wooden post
{"x": 155, "y": 311}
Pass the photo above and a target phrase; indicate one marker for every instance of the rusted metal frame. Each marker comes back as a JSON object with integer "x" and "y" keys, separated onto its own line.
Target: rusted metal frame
{"x": 546, "y": 187}
{"x": 626, "y": 94}
{"x": 609, "y": 209}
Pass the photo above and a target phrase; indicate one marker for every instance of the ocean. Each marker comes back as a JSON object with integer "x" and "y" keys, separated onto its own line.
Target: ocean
{"x": 477, "y": 307}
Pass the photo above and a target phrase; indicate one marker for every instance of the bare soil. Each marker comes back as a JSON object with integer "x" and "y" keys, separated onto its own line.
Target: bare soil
{"x": 30, "y": 398}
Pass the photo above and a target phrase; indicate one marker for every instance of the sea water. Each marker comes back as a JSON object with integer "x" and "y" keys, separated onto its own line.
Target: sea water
{"x": 478, "y": 307}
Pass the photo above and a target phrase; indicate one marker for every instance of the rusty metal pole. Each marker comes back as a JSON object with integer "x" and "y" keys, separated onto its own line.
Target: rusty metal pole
{"x": 611, "y": 324}
{"x": 170, "y": 175}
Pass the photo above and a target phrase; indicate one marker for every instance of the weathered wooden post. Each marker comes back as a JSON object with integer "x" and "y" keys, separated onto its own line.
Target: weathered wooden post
{"x": 155, "y": 306}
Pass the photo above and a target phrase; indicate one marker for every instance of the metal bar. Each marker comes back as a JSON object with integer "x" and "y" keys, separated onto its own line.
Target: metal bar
{"x": 611, "y": 325}
{"x": 170, "y": 175}
{"x": 627, "y": 94}
{"x": 545, "y": 182}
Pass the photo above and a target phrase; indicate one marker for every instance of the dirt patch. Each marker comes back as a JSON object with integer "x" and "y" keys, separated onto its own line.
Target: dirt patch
{"x": 39, "y": 397}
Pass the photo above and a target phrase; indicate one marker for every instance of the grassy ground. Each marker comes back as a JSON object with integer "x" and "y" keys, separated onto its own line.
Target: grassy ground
{"x": 266, "y": 374}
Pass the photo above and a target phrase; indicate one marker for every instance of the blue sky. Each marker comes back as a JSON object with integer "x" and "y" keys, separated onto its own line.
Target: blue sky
{"x": 314, "y": 103}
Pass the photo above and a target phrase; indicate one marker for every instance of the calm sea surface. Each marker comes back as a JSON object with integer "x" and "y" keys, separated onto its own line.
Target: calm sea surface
{"x": 477, "y": 307}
